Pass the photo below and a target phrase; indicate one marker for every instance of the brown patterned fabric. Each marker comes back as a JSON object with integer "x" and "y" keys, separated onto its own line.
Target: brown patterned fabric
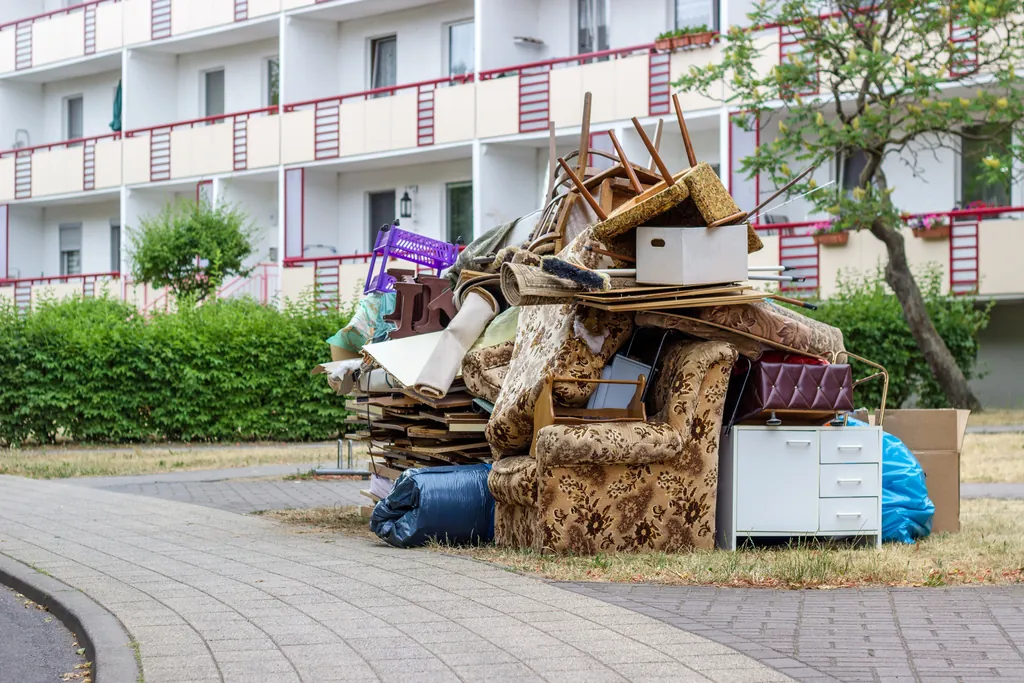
{"x": 782, "y": 326}
{"x": 514, "y": 480}
{"x": 627, "y": 501}
{"x": 484, "y": 370}
{"x": 751, "y": 348}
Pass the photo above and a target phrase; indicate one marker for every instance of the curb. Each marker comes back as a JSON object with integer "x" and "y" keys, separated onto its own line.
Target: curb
{"x": 107, "y": 644}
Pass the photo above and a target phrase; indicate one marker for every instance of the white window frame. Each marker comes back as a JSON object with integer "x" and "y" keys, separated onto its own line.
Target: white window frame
{"x": 446, "y": 38}
{"x": 66, "y": 110}
{"x": 370, "y": 43}
{"x": 202, "y": 90}
{"x": 266, "y": 79}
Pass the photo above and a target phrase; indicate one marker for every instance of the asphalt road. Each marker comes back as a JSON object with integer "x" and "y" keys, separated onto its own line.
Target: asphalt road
{"x": 35, "y": 647}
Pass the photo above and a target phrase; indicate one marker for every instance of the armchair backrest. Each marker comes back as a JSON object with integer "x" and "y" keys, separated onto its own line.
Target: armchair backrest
{"x": 691, "y": 373}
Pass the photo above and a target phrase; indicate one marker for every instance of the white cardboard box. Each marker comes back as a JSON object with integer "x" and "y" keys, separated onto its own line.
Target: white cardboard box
{"x": 691, "y": 256}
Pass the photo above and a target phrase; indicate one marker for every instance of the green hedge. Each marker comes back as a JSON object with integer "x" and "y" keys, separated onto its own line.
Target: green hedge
{"x": 97, "y": 371}
{"x": 873, "y": 326}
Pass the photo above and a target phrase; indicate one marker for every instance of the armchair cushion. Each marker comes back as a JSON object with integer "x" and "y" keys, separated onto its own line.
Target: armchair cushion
{"x": 483, "y": 370}
{"x": 608, "y": 443}
{"x": 514, "y": 480}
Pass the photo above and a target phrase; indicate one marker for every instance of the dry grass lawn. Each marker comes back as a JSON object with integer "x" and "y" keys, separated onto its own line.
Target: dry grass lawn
{"x": 992, "y": 458}
{"x": 996, "y": 417}
{"x": 47, "y": 463}
{"x": 989, "y": 549}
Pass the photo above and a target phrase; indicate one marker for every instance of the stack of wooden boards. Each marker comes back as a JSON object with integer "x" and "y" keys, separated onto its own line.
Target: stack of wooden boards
{"x": 403, "y": 430}
{"x": 663, "y": 297}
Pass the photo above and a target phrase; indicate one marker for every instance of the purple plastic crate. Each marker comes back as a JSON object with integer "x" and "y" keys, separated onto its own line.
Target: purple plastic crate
{"x": 393, "y": 242}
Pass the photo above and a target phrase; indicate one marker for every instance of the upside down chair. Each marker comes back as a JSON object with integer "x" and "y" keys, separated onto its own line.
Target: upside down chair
{"x": 624, "y": 486}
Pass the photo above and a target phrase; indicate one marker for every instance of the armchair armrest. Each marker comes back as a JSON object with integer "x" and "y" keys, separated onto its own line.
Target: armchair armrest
{"x": 607, "y": 443}
{"x": 691, "y": 374}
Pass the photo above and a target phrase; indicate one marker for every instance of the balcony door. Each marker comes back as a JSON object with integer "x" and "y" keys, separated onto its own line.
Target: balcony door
{"x": 460, "y": 212}
{"x": 213, "y": 93}
{"x": 70, "y": 237}
{"x": 381, "y": 210}
{"x": 592, "y": 23}
{"x": 74, "y": 127}
{"x": 383, "y": 62}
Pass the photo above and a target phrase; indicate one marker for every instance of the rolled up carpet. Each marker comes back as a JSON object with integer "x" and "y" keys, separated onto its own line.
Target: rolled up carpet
{"x": 437, "y": 375}
{"x": 525, "y": 285}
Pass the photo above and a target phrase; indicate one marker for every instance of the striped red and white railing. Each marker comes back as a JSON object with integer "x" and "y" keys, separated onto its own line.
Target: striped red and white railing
{"x": 90, "y": 285}
{"x": 260, "y": 285}
{"x": 160, "y": 139}
{"x": 23, "y": 157}
{"x": 23, "y": 30}
{"x": 535, "y": 82}
{"x": 327, "y": 112}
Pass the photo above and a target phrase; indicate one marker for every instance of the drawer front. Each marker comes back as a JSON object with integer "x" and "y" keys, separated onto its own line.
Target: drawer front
{"x": 776, "y": 474}
{"x": 848, "y": 514}
{"x": 852, "y": 444}
{"x": 844, "y": 481}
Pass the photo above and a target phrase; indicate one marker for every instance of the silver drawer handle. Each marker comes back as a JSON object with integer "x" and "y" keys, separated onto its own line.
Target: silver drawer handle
{"x": 851, "y": 447}
{"x": 798, "y": 442}
{"x": 847, "y": 514}
{"x": 849, "y": 481}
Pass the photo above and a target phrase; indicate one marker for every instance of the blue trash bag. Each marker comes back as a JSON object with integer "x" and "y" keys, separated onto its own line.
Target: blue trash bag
{"x": 451, "y": 504}
{"x": 906, "y": 508}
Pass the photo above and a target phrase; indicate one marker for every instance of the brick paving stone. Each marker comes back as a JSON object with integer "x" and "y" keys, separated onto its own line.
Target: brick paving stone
{"x": 871, "y": 634}
{"x": 211, "y": 595}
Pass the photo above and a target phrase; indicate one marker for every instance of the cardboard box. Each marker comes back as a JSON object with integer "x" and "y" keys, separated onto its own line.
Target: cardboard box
{"x": 936, "y": 438}
{"x": 691, "y": 256}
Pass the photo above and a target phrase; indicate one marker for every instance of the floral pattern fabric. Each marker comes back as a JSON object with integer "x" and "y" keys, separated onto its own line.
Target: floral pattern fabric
{"x": 483, "y": 370}
{"x": 781, "y": 326}
{"x": 593, "y": 496}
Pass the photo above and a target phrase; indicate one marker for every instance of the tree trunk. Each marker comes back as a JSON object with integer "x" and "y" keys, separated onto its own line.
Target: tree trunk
{"x": 941, "y": 362}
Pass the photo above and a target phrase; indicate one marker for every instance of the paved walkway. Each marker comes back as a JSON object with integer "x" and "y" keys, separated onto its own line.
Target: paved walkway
{"x": 238, "y": 489}
{"x": 213, "y": 596}
{"x": 851, "y": 635}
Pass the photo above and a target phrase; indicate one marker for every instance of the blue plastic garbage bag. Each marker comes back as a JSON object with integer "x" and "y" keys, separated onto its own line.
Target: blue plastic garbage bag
{"x": 451, "y": 504}
{"x": 906, "y": 508}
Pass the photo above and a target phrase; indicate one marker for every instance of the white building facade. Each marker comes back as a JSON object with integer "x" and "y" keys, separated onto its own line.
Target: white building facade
{"x": 323, "y": 119}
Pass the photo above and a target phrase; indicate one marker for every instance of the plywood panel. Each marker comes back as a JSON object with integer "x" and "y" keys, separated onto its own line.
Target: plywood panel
{"x": 454, "y": 113}
{"x": 108, "y": 163}
{"x": 58, "y": 38}
{"x": 6, "y": 179}
{"x": 109, "y": 26}
{"x": 566, "y": 107}
{"x": 264, "y": 141}
{"x": 135, "y": 153}
{"x": 497, "y": 107}
{"x": 353, "y": 128}
{"x": 297, "y": 143}
{"x": 57, "y": 172}
{"x": 403, "y": 120}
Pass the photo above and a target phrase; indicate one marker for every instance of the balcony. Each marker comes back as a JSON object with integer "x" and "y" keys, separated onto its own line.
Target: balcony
{"x": 27, "y": 292}
{"x": 973, "y": 258}
{"x": 61, "y": 168}
{"x": 66, "y": 34}
{"x": 202, "y": 147}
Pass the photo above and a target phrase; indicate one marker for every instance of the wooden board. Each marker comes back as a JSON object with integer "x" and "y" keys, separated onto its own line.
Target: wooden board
{"x": 366, "y": 492}
{"x": 456, "y": 400}
{"x": 666, "y": 294}
{"x": 679, "y": 303}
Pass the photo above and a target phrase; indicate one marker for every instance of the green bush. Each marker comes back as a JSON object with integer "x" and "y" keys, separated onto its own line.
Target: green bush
{"x": 873, "y": 326}
{"x": 98, "y": 371}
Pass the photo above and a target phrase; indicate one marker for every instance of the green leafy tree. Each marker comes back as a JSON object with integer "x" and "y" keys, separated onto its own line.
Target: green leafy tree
{"x": 191, "y": 248}
{"x": 885, "y": 81}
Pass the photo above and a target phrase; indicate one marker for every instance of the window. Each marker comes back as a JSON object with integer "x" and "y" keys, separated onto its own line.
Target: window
{"x": 975, "y": 184}
{"x": 853, "y": 164}
{"x": 381, "y": 212}
{"x": 70, "y": 249}
{"x": 460, "y": 212}
{"x": 115, "y": 246}
{"x": 213, "y": 91}
{"x": 273, "y": 82}
{"x": 73, "y": 115}
{"x": 592, "y": 20}
{"x": 461, "y": 48}
{"x": 383, "y": 62}
{"x": 694, "y": 13}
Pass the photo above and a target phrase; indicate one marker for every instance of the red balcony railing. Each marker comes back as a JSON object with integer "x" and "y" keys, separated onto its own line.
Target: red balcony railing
{"x": 160, "y": 139}
{"x": 535, "y": 82}
{"x": 90, "y": 285}
{"x": 260, "y": 285}
{"x": 23, "y": 162}
{"x": 327, "y": 112}
{"x": 23, "y": 30}
{"x": 798, "y": 250}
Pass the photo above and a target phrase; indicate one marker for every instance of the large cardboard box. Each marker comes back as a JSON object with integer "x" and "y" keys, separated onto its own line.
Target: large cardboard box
{"x": 936, "y": 438}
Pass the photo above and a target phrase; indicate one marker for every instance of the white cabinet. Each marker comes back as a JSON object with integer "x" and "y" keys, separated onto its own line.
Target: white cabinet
{"x": 799, "y": 481}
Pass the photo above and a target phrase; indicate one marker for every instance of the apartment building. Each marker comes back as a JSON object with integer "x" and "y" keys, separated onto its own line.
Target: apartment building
{"x": 324, "y": 119}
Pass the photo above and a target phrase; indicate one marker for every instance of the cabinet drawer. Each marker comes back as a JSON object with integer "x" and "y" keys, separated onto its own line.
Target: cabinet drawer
{"x": 848, "y": 514}
{"x": 856, "y": 444}
{"x": 843, "y": 481}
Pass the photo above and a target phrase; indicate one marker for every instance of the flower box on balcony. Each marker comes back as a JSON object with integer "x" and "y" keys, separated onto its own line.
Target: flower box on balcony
{"x": 703, "y": 38}
{"x": 832, "y": 239}
{"x": 680, "y": 41}
{"x": 935, "y": 232}
{"x": 663, "y": 44}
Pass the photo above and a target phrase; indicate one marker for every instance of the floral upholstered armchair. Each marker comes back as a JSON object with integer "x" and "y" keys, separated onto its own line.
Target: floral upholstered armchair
{"x": 626, "y": 486}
